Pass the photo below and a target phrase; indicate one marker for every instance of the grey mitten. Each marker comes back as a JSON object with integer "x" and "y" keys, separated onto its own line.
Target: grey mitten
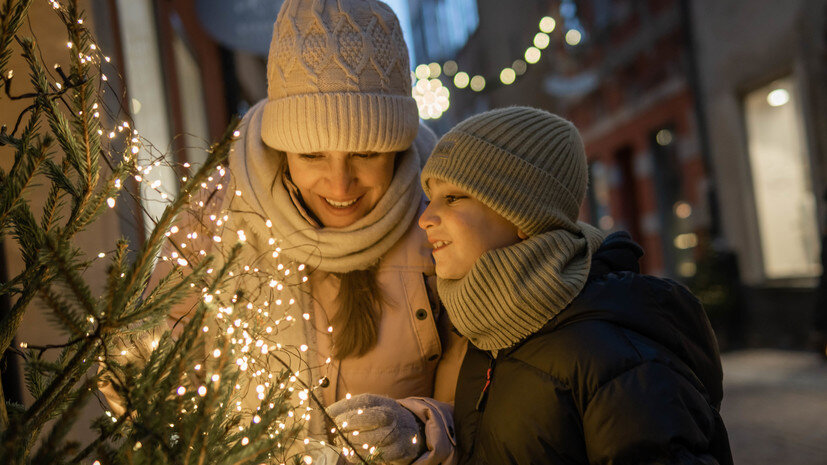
{"x": 379, "y": 422}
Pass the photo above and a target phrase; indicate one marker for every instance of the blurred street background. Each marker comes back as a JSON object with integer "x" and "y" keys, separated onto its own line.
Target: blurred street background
{"x": 705, "y": 124}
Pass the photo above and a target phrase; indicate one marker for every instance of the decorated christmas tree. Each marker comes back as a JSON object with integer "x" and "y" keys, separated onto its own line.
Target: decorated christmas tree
{"x": 178, "y": 393}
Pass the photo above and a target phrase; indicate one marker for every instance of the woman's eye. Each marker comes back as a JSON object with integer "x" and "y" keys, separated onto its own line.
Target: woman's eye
{"x": 309, "y": 156}
{"x": 364, "y": 155}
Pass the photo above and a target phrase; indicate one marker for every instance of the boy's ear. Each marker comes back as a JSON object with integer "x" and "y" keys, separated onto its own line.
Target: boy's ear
{"x": 521, "y": 234}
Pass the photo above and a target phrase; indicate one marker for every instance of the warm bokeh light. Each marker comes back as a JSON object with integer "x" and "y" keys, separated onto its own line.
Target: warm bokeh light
{"x": 432, "y": 98}
{"x": 422, "y": 72}
{"x": 778, "y": 97}
{"x": 450, "y": 68}
{"x": 507, "y": 76}
{"x": 435, "y": 70}
{"x": 541, "y": 40}
{"x": 573, "y": 37}
{"x": 532, "y": 55}
{"x": 477, "y": 83}
{"x": 683, "y": 210}
{"x": 461, "y": 80}
{"x": 664, "y": 137}
{"x": 686, "y": 241}
{"x": 547, "y": 24}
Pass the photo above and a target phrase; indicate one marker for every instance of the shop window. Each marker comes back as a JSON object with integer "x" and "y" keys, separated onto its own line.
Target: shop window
{"x": 780, "y": 167}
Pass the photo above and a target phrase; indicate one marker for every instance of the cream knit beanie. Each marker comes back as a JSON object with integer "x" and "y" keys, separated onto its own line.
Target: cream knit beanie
{"x": 338, "y": 79}
{"x": 526, "y": 164}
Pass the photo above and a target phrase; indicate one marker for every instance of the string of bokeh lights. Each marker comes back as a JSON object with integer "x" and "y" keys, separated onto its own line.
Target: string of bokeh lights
{"x": 433, "y": 97}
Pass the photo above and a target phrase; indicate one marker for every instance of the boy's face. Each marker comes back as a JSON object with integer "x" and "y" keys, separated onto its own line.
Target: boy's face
{"x": 461, "y": 229}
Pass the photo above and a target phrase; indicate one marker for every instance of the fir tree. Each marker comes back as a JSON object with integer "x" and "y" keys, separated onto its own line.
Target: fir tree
{"x": 172, "y": 413}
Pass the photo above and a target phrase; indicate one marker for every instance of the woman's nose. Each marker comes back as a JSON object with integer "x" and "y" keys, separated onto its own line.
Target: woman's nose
{"x": 340, "y": 178}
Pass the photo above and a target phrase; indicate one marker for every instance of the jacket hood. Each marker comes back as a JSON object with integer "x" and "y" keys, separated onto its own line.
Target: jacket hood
{"x": 659, "y": 309}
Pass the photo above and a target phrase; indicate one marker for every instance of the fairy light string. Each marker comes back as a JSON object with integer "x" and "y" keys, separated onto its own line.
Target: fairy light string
{"x": 433, "y": 97}
{"x": 244, "y": 329}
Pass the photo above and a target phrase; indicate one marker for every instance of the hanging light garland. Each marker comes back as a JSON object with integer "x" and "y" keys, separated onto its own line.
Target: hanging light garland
{"x": 433, "y": 98}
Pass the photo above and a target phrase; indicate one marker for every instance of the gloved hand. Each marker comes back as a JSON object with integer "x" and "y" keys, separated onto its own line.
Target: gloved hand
{"x": 382, "y": 423}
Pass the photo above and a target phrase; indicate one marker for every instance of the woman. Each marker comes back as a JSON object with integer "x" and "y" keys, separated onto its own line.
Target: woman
{"x": 324, "y": 185}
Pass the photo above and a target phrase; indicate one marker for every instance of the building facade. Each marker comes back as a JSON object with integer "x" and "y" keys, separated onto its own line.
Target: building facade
{"x": 763, "y": 67}
{"x": 704, "y": 124}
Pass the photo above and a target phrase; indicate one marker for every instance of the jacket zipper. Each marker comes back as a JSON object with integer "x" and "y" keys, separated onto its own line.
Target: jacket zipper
{"x": 484, "y": 394}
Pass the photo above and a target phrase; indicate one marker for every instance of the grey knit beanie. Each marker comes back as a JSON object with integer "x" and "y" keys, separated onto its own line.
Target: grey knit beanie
{"x": 529, "y": 166}
{"x": 526, "y": 164}
{"x": 338, "y": 78}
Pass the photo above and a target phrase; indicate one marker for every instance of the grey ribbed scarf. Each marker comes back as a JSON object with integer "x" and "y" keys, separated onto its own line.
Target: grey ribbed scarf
{"x": 255, "y": 166}
{"x": 512, "y": 292}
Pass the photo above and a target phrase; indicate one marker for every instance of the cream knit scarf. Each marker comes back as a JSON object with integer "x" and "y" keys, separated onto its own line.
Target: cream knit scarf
{"x": 258, "y": 171}
{"x": 512, "y": 292}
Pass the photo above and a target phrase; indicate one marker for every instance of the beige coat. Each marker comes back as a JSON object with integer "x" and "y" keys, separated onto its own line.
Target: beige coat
{"x": 417, "y": 356}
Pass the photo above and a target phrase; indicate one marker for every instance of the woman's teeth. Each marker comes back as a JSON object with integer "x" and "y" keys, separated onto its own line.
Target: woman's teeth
{"x": 340, "y": 204}
{"x": 439, "y": 244}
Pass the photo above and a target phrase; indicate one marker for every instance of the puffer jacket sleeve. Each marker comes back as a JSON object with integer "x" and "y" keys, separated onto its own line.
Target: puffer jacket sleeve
{"x": 649, "y": 413}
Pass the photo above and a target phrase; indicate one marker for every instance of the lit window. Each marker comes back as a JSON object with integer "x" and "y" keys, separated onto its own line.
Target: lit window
{"x": 784, "y": 199}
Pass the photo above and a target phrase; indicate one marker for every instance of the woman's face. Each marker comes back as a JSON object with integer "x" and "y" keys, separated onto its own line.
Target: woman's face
{"x": 339, "y": 188}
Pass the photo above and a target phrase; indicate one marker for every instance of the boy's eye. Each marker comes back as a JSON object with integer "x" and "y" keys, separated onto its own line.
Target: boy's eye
{"x": 453, "y": 198}
{"x": 309, "y": 156}
{"x": 365, "y": 155}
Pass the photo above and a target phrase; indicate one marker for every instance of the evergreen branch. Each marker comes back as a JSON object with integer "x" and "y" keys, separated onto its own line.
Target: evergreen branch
{"x": 59, "y": 178}
{"x": 11, "y": 18}
{"x": 117, "y": 269}
{"x": 138, "y": 275}
{"x": 97, "y": 204}
{"x": 32, "y": 374}
{"x": 60, "y": 255}
{"x": 165, "y": 294}
{"x": 11, "y": 286}
{"x": 53, "y": 450}
{"x": 56, "y": 392}
{"x": 63, "y": 314}
{"x": 32, "y": 277}
{"x": 53, "y": 200}
{"x": 26, "y": 233}
{"x": 21, "y": 175}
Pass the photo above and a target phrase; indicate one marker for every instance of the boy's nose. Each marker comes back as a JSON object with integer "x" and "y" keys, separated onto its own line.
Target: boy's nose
{"x": 427, "y": 219}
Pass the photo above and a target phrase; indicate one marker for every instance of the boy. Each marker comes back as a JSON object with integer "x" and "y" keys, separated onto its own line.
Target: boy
{"x": 576, "y": 358}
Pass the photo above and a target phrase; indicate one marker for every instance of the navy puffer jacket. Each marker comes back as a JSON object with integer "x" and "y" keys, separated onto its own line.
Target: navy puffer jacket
{"x": 628, "y": 373}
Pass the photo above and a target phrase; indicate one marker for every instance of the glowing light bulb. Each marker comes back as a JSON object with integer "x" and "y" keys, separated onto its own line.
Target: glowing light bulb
{"x": 573, "y": 37}
{"x": 461, "y": 80}
{"x": 507, "y": 76}
{"x": 778, "y": 97}
{"x": 477, "y": 83}
{"x": 541, "y": 40}
{"x": 547, "y": 24}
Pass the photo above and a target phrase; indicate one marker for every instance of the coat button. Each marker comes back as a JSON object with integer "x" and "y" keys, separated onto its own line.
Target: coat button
{"x": 421, "y": 314}
{"x": 324, "y": 382}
